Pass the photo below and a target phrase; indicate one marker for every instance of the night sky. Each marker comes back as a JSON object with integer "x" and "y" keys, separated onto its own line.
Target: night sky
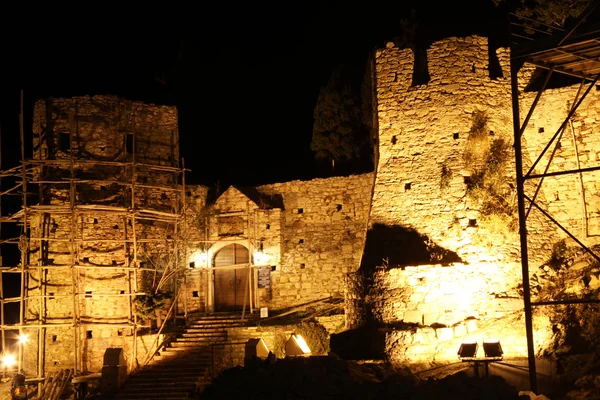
{"x": 245, "y": 78}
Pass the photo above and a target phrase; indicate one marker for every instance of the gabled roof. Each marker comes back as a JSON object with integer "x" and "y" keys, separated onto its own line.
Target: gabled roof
{"x": 259, "y": 199}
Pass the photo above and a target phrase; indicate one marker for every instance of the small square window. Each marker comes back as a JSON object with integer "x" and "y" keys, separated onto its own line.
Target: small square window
{"x": 122, "y": 292}
{"x": 54, "y": 338}
{"x": 300, "y": 210}
{"x": 51, "y": 296}
{"x": 86, "y": 259}
{"x": 338, "y": 207}
{"x": 193, "y": 264}
{"x": 472, "y": 222}
{"x": 88, "y": 295}
{"x": 407, "y": 186}
{"x": 64, "y": 142}
{"x": 129, "y": 143}
{"x": 89, "y": 335}
{"x": 95, "y": 220}
{"x": 541, "y": 130}
{"x": 455, "y": 135}
{"x": 301, "y": 241}
{"x": 273, "y": 267}
{"x": 268, "y": 226}
{"x": 195, "y": 293}
{"x": 302, "y": 266}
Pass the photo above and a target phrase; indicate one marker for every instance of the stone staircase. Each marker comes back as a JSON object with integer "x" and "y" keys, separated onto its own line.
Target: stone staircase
{"x": 178, "y": 370}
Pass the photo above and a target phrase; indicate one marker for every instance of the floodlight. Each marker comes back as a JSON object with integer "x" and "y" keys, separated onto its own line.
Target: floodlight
{"x": 468, "y": 350}
{"x": 22, "y": 338}
{"x": 296, "y": 346}
{"x": 8, "y": 360}
{"x": 256, "y": 348}
{"x": 492, "y": 349}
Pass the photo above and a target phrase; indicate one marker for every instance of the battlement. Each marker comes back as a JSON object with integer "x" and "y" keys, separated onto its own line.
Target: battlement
{"x": 449, "y": 63}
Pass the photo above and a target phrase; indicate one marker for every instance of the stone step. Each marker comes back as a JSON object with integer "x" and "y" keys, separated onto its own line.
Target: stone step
{"x": 200, "y": 334}
{"x": 173, "y": 394}
{"x": 166, "y": 372}
{"x": 173, "y": 356}
{"x": 212, "y": 325}
{"x": 196, "y": 344}
{"x": 152, "y": 384}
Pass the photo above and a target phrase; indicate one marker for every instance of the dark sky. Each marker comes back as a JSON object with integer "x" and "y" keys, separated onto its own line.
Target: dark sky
{"x": 245, "y": 77}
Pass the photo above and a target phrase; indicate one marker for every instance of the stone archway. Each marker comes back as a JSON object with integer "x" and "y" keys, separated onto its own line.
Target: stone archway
{"x": 231, "y": 282}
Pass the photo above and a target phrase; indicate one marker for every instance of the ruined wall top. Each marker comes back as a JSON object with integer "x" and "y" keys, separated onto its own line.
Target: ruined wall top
{"x": 107, "y": 128}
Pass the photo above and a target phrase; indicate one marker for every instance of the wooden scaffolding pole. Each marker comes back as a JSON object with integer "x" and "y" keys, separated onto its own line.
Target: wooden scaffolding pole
{"x": 74, "y": 272}
{"x": 1, "y": 261}
{"x": 23, "y": 242}
{"x": 134, "y": 272}
{"x": 185, "y": 234}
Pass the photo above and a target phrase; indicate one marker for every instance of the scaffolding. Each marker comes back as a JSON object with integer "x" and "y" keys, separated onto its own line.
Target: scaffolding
{"x": 144, "y": 207}
{"x": 576, "y": 53}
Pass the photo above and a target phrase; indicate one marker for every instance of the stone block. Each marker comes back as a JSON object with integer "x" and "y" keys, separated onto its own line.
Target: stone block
{"x": 471, "y": 325}
{"x": 413, "y": 317}
{"x": 444, "y": 334}
{"x": 431, "y": 318}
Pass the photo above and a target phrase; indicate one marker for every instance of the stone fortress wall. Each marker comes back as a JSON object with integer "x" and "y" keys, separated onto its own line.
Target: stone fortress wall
{"x": 314, "y": 233}
{"x": 323, "y": 233}
{"x": 423, "y": 135}
{"x": 85, "y": 238}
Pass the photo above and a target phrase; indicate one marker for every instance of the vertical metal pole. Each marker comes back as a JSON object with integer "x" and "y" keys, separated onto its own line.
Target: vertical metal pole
{"x": 522, "y": 224}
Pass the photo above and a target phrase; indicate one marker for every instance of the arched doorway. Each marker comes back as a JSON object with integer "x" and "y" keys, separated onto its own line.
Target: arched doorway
{"x": 230, "y": 283}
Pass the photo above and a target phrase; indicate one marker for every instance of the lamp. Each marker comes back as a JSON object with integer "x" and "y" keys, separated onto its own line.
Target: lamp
{"x": 467, "y": 350}
{"x": 493, "y": 349}
{"x": 296, "y": 346}
{"x": 199, "y": 259}
{"x": 8, "y": 360}
{"x": 260, "y": 258}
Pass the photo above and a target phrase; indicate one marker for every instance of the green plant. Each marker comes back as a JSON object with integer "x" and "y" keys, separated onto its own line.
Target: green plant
{"x": 560, "y": 255}
{"x": 477, "y": 144}
{"x": 279, "y": 339}
{"x": 315, "y": 336}
{"x": 146, "y": 305}
{"x": 489, "y": 186}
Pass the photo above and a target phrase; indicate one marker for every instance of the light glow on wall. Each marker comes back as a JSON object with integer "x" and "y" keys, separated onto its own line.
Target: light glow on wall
{"x": 200, "y": 258}
{"x": 8, "y": 360}
{"x": 260, "y": 258}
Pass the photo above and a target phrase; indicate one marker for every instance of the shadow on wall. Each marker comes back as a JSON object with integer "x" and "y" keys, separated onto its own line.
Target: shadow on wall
{"x": 395, "y": 246}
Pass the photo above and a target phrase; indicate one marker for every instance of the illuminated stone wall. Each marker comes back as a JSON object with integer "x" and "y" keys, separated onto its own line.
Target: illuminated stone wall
{"x": 423, "y": 132}
{"x": 97, "y": 128}
{"x": 579, "y": 147}
{"x": 83, "y": 234}
{"x": 421, "y": 190}
{"x": 445, "y": 305}
{"x": 324, "y": 227}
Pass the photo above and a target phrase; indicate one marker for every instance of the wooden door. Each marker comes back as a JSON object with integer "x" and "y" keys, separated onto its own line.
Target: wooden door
{"x": 230, "y": 284}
